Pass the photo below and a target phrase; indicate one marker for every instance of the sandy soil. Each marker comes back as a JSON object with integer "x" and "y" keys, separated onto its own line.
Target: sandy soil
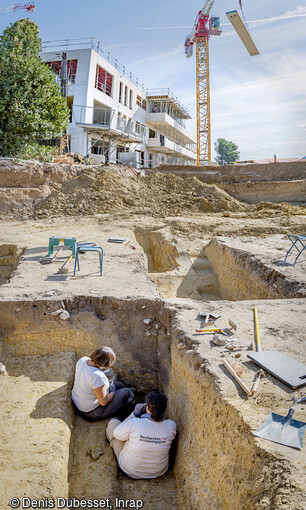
{"x": 168, "y": 223}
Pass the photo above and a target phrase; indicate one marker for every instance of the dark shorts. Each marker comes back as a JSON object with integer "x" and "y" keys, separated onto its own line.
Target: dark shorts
{"x": 121, "y": 406}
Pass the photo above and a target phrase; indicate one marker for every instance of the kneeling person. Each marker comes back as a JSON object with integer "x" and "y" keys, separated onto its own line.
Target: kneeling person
{"x": 93, "y": 397}
{"x": 142, "y": 442}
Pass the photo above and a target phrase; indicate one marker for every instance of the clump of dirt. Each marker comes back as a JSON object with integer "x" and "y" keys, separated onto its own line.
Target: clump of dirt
{"x": 269, "y": 209}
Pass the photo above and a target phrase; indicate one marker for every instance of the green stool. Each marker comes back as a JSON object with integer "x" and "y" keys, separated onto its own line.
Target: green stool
{"x": 68, "y": 241}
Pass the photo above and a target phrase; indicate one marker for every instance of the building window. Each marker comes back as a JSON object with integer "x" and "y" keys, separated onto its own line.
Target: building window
{"x": 150, "y": 160}
{"x": 72, "y": 66}
{"x": 152, "y": 133}
{"x": 70, "y": 106}
{"x": 104, "y": 81}
{"x": 120, "y": 92}
{"x": 140, "y": 128}
{"x": 125, "y": 95}
{"x": 131, "y": 100}
{"x": 141, "y": 102}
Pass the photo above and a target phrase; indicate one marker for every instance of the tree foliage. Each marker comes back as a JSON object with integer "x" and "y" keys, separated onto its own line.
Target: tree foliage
{"x": 227, "y": 152}
{"x": 31, "y": 104}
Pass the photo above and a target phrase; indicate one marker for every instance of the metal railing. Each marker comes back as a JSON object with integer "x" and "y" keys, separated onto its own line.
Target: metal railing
{"x": 166, "y": 92}
{"x": 92, "y": 43}
{"x": 131, "y": 127}
{"x": 108, "y": 119}
{"x": 92, "y": 115}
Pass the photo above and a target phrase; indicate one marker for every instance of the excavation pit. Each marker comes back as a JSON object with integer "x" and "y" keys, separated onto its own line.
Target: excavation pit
{"x": 222, "y": 269}
{"x": 47, "y": 451}
{"x": 50, "y": 452}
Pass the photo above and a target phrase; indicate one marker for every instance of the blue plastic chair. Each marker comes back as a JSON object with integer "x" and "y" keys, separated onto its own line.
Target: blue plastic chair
{"x": 88, "y": 247}
{"x": 299, "y": 243}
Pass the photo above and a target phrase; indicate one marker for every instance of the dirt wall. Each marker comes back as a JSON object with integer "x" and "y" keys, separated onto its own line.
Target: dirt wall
{"x": 241, "y": 173}
{"x": 10, "y": 256}
{"x": 30, "y": 174}
{"x": 218, "y": 465}
{"x": 277, "y": 191}
{"x": 36, "y": 425}
{"x": 30, "y": 329}
{"x": 242, "y": 276}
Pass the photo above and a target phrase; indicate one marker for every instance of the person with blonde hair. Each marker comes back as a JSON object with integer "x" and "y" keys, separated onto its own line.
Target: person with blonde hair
{"x": 92, "y": 395}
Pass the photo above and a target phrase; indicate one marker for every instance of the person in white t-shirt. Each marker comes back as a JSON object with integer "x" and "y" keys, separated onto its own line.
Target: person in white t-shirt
{"x": 93, "y": 397}
{"x": 142, "y": 442}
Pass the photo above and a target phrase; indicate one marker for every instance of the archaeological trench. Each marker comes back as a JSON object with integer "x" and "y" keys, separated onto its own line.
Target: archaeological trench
{"x": 176, "y": 265}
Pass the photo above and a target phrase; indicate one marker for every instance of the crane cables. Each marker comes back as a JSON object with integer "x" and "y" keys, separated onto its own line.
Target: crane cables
{"x": 15, "y": 7}
{"x": 243, "y": 16}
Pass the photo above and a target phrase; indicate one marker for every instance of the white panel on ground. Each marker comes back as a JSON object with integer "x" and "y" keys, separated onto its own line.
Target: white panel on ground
{"x": 242, "y": 31}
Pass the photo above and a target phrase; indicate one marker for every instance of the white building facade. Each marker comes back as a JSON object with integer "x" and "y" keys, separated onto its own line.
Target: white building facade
{"x": 113, "y": 117}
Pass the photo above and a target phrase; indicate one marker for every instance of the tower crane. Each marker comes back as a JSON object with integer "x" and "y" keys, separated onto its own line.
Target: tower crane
{"x": 203, "y": 28}
{"x": 15, "y": 7}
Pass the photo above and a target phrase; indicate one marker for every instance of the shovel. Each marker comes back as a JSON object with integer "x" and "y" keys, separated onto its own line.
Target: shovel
{"x": 283, "y": 429}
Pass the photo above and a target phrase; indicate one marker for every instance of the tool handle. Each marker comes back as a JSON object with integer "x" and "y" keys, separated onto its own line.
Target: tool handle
{"x": 67, "y": 261}
{"x": 255, "y": 385}
{"x": 257, "y": 334}
{"x": 292, "y": 408}
{"x": 208, "y": 330}
{"x": 236, "y": 376}
{"x": 57, "y": 253}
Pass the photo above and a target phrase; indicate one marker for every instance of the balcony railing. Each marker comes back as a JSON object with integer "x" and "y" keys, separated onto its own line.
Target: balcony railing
{"x": 107, "y": 118}
{"x": 168, "y": 142}
{"x": 164, "y": 101}
{"x": 92, "y": 43}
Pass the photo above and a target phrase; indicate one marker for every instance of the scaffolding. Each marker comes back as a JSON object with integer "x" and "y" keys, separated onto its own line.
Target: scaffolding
{"x": 164, "y": 101}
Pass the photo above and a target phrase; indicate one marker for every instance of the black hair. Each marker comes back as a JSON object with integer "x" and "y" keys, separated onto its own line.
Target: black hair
{"x": 157, "y": 403}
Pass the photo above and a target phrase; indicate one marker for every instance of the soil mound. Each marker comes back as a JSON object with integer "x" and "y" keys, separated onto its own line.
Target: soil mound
{"x": 41, "y": 190}
{"x": 106, "y": 191}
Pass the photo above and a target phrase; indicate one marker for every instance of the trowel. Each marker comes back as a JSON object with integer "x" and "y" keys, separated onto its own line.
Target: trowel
{"x": 208, "y": 318}
{"x": 283, "y": 429}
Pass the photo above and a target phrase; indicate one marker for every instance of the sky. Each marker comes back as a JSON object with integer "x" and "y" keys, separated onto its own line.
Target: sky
{"x": 258, "y": 102}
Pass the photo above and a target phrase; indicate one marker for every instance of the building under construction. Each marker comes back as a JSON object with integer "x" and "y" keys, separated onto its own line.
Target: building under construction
{"x": 113, "y": 117}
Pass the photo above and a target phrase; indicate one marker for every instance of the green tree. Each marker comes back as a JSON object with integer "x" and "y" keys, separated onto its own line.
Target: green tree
{"x": 31, "y": 105}
{"x": 227, "y": 152}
